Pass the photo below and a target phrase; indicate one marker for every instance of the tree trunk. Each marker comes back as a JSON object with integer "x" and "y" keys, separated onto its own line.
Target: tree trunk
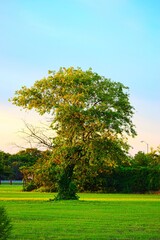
{"x": 67, "y": 189}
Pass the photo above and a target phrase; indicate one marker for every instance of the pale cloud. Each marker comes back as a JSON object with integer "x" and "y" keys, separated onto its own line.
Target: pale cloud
{"x": 147, "y": 125}
{"x": 146, "y": 131}
{"x": 11, "y": 123}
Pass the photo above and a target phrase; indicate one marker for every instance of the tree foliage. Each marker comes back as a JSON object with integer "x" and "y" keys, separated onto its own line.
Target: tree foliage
{"x": 5, "y": 167}
{"x": 92, "y": 117}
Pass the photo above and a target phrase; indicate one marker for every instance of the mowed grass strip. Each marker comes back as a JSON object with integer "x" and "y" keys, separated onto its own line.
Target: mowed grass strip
{"x": 14, "y": 192}
{"x": 109, "y": 216}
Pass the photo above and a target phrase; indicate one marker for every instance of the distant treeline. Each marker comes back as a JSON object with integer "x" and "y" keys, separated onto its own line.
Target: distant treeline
{"x": 39, "y": 171}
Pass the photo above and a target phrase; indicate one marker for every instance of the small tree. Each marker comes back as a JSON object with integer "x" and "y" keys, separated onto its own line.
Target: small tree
{"x": 92, "y": 116}
{"x": 5, "y": 166}
{"x": 5, "y": 224}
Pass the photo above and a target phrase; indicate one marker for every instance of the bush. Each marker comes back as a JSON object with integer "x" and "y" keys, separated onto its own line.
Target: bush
{"x": 30, "y": 186}
{"x": 46, "y": 189}
{"x": 5, "y": 224}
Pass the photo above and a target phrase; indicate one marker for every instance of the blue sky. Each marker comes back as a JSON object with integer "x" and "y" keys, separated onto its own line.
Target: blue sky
{"x": 119, "y": 39}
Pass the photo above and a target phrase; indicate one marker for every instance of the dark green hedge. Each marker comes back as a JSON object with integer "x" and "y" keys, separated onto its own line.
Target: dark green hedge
{"x": 123, "y": 180}
{"x": 133, "y": 180}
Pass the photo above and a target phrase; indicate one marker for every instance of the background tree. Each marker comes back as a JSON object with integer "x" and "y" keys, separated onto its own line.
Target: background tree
{"x": 10, "y": 164}
{"x": 24, "y": 158}
{"x": 92, "y": 116}
{"x": 41, "y": 175}
{"x": 5, "y": 167}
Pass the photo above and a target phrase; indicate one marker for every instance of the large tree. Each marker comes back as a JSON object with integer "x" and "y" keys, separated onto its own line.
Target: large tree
{"x": 92, "y": 117}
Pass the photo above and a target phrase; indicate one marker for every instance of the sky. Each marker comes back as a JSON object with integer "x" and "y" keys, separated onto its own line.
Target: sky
{"x": 118, "y": 39}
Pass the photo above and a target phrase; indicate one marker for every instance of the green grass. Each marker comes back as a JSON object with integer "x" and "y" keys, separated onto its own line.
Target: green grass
{"x": 95, "y": 216}
{"x": 14, "y": 192}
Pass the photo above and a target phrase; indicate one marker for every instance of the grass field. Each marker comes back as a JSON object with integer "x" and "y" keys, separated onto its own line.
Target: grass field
{"x": 95, "y": 216}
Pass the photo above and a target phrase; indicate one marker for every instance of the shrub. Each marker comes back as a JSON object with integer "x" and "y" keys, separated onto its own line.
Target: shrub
{"x": 29, "y": 186}
{"x": 5, "y": 224}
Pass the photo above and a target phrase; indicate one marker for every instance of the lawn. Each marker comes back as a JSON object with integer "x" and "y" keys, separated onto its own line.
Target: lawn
{"x": 95, "y": 216}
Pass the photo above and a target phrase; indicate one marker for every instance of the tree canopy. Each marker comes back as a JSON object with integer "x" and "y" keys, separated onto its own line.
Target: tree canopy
{"x": 92, "y": 117}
